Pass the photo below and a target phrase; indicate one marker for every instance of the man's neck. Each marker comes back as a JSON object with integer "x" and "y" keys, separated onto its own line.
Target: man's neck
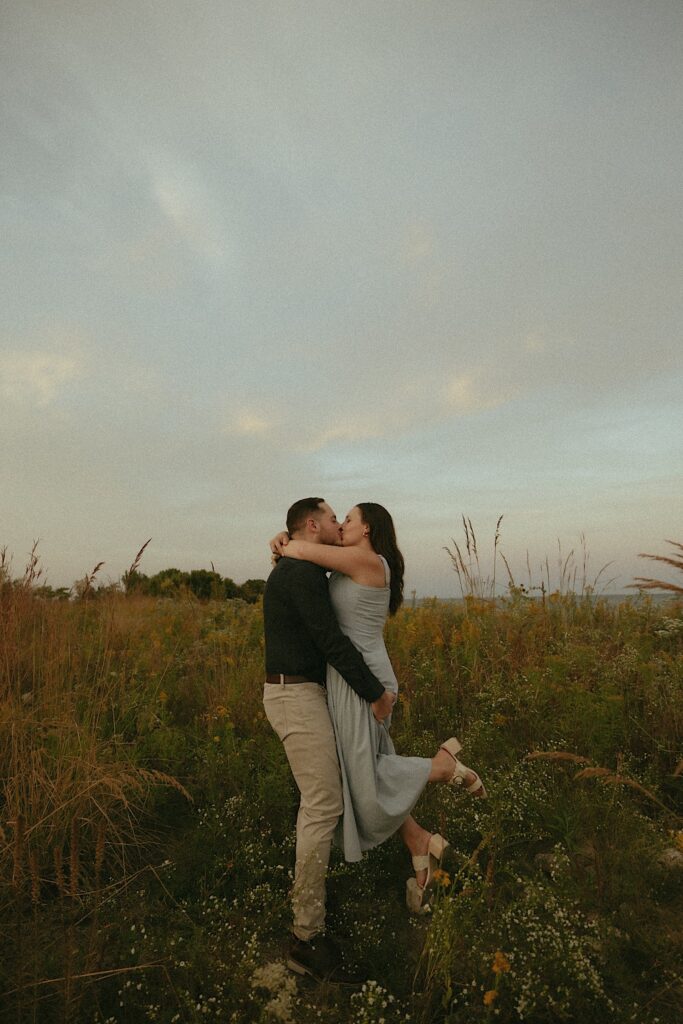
{"x": 312, "y": 538}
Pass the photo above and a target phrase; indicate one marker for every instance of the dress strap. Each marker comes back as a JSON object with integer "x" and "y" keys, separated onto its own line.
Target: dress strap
{"x": 387, "y": 570}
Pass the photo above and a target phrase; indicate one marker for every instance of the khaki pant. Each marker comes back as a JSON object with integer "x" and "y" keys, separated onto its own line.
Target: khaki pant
{"x": 298, "y": 714}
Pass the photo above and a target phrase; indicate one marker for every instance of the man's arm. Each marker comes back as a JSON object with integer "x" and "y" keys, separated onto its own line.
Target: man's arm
{"x": 311, "y": 598}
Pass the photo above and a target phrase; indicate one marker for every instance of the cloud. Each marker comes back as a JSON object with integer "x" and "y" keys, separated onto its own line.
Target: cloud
{"x": 188, "y": 207}
{"x": 534, "y": 343}
{"x": 406, "y": 399}
{"x": 406, "y": 402}
{"x": 362, "y": 431}
{"x": 419, "y": 244}
{"x": 477, "y": 391}
{"x": 251, "y": 423}
{"x": 38, "y": 376}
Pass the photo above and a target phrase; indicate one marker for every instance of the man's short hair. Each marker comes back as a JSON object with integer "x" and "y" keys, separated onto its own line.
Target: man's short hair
{"x": 300, "y": 511}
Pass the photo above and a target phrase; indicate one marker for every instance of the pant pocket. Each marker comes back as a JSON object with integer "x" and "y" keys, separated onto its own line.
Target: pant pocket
{"x": 274, "y": 707}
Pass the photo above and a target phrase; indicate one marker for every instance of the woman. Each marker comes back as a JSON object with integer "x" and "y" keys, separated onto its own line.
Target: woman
{"x": 380, "y": 787}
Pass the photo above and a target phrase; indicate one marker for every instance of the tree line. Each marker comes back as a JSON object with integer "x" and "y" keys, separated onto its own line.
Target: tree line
{"x": 204, "y": 584}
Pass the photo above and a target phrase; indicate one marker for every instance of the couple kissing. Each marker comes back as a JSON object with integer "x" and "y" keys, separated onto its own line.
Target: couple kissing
{"x": 329, "y": 693}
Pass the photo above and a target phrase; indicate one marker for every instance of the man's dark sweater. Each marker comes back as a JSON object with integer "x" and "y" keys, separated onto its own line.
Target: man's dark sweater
{"x": 302, "y": 632}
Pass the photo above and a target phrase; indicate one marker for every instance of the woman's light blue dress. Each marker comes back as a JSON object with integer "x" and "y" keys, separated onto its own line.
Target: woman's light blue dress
{"x": 380, "y": 787}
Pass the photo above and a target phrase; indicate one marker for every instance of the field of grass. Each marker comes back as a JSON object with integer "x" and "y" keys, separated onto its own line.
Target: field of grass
{"x": 147, "y": 818}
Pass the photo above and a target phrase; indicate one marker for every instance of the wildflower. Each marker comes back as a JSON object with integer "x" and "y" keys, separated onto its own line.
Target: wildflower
{"x": 490, "y": 997}
{"x": 216, "y": 739}
{"x": 163, "y": 696}
{"x": 275, "y": 978}
{"x": 442, "y": 877}
{"x": 501, "y": 964}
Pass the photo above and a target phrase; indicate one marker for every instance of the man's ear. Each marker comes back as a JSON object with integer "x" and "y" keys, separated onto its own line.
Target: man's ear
{"x": 313, "y": 525}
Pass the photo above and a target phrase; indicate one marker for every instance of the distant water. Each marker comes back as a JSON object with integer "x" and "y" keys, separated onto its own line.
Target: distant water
{"x": 632, "y": 597}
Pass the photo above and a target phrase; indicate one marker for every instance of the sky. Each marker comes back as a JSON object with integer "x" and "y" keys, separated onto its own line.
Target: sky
{"x": 421, "y": 253}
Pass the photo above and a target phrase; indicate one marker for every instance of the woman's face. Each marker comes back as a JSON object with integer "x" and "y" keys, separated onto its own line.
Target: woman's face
{"x": 353, "y": 528}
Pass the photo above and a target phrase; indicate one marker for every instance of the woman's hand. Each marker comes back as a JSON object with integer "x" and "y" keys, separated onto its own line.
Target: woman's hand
{"x": 384, "y": 705}
{"x": 278, "y": 543}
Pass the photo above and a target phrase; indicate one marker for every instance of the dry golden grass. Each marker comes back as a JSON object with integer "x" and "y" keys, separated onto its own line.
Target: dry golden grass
{"x": 675, "y": 561}
{"x": 98, "y": 695}
{"x": 605, "y": 775}
{"x": 67, "y": 778}
{"x": 556, "y": 755}
{"x": 571, "y": 572}
{"x": 466, "y": 564}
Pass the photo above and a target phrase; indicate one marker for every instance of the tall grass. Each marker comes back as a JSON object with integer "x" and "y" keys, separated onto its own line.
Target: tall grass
{"x": 674, "y": 560}
{"x": 569, "y": 577}
{"x": 147, "y": 814}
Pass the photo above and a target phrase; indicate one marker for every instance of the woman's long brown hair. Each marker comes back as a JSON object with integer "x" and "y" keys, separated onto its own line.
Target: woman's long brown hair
{"x": 383, "y": 540}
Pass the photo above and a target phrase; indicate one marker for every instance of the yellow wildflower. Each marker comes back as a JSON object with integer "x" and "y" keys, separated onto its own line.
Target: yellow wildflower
{"x": 163, "y": 696}
{"x": 442, "y": 877}
{"x": 501, "y": 964}
{"x": 490, "y": 996}
{"x": 216, "y": 739}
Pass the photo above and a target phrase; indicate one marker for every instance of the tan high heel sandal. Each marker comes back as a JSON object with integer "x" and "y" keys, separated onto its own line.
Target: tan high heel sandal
{"x": 417, "y": 896}
{"x": 453, "y": 747}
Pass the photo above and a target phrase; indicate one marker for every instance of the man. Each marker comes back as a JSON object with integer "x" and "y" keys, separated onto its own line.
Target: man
{"x": 302, "y": 635}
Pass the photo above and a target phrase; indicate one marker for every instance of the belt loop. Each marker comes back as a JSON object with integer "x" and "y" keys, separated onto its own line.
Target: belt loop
{"x": 282, "y": 679}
